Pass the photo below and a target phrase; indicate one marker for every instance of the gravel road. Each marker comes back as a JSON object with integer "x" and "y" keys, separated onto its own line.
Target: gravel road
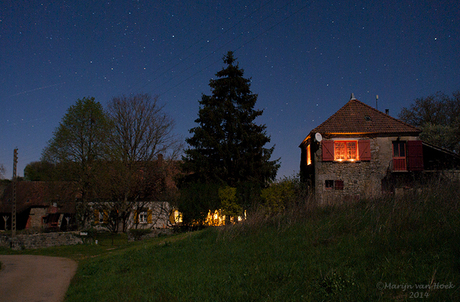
{"x": 27, "y": 278}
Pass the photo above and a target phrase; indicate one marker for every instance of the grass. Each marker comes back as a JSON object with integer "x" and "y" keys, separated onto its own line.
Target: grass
{"x": 372, "y": 250}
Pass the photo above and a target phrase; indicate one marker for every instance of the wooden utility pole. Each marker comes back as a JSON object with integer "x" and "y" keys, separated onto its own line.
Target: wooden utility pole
{"x": 13, "y": 208}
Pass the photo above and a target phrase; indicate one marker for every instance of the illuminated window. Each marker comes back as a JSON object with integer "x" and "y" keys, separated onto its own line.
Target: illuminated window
{"x": 308, "y": 155}
{"x": 345, "y": 150}
{"x": 177, "y": 216}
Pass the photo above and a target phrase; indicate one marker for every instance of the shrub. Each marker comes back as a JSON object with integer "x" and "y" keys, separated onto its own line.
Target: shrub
{"x": 137, "y": 234}
{"x": 228, "y": 199}
{"x": 280, "y": 195}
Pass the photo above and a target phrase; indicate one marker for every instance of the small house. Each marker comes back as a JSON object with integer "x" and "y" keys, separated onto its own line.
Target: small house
{"x": 362, "y": 152}
{"x": 39, "y": 205}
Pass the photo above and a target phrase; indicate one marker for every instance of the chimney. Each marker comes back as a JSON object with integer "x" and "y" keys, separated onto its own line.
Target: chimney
{"x": 387, "y": 111}
{"x": 352, "y": 97}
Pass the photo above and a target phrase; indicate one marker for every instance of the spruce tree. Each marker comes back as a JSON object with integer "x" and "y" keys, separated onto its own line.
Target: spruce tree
{"x": 227, "y": 146}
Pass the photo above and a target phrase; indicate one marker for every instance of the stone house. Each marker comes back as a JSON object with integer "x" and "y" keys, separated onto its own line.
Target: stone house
{"x": 39, "y": 205}
{"x": 139, "y": 215}
{"x": 362, "y": 152}
{"x": 150, "y": 210}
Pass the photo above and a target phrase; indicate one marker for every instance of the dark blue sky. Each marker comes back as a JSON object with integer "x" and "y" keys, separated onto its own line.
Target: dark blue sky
{"x": 305, "y": 58}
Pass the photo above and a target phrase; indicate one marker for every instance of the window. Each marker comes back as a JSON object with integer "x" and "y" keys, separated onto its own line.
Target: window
{"x": 345, "y": 150}
{"x": 407, "y": 156}
{"x": 100, "y": 216}
{"x": 143, "y": 217}
{"x": 334, "y": 184}
{"x": 339, "y": 184}
{"x": 399, "y": 156}
{"x": 399, "y": 149}
{"x": 308, "y": 155}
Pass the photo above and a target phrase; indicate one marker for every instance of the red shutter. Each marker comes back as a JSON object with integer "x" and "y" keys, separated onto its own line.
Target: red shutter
{"x": 414, "y": 156}
{"x": 364, "y": 149}
{"x": 327, "y": 150}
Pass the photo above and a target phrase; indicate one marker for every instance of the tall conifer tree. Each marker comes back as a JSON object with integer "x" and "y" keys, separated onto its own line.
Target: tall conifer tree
{"x": 227, "y": 146}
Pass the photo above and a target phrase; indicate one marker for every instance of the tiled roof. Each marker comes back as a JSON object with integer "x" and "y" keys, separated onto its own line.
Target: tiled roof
{"x": 357, "y": 117}
{"x": 37, "y": 194}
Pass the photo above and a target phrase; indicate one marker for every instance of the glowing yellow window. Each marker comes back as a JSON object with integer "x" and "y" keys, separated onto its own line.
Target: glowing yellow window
{"x": 345, "y": 150}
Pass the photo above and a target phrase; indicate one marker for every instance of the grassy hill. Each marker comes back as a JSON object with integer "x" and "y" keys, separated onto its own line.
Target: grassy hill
{"x": 378, "y": 250}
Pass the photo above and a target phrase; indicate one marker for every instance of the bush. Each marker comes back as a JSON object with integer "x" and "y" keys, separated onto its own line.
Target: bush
{"x": 136, "y": 234}
{"x": 228, "y": 199}
{"x": 283, "y": 194}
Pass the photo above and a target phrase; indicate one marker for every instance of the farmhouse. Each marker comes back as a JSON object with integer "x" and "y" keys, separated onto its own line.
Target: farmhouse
{"x": 39, "y": 205}
{"x": 362, "y": 152}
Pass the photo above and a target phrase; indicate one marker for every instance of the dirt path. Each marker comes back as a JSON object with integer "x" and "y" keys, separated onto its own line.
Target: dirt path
{"x": 27, "y": 278}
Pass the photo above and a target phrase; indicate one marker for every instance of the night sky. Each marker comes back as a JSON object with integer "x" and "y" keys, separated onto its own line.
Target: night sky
{"x": 305, "y": 58}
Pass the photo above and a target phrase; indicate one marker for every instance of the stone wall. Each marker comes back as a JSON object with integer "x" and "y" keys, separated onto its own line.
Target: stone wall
{"x": 36, "y": 241}
{"x": 361, "y": 179}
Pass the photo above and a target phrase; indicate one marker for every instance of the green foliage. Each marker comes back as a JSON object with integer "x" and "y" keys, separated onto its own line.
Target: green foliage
{"x": 228, "y": 199}
{"x": 77, "y": 146}
{"x": 438, "y": 116}
{"x": 441, "y": 135}
{"x": 335, "y": 285}
{"x": 227, "y": 146}
{"x": 345, "y": 252}
{"x": 196, "y": 200}
{"x": 339, "y": 253}
{"x": 278, "y": 196}
{"x": 138, "y": 233}
{"x": 80, "y": 135}
{"x": 39, "y": 171}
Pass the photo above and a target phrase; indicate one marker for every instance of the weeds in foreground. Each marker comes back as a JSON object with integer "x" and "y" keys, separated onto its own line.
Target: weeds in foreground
{"x": 371, "y": 250}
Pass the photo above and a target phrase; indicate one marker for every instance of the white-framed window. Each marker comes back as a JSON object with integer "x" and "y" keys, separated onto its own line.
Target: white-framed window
{"x": 143, "y": 217}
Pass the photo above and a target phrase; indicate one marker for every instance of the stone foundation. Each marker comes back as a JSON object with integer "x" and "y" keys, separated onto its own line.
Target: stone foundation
{"x": 37, "y": 241}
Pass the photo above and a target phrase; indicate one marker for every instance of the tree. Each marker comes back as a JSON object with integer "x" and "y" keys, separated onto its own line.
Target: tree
{"x": 141, "y": 149}
{"x": 227, "y": 146}
{"x": 39, "y": 171}
{"x": 77, "y": 148}
{"x": 438, "y": 116}
{"x": 2, "y": 170}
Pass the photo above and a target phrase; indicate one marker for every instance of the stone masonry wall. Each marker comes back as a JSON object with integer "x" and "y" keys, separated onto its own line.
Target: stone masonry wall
{"x": 36, "y": 241}
{"x": 361, "y": 179}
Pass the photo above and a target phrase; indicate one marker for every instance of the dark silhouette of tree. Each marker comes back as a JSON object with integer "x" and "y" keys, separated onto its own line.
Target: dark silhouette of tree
{"x": 39, "y": 171}
{"x": 77, "y": 148}
{"x": 227, "y": 146}
{"x": 141, "y": 149}
{"x": 438, "y": 116}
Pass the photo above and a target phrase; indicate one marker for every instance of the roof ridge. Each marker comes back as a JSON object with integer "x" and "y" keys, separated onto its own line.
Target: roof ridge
{"x": 339, "y": 114}
{"x": 384, "y": 114}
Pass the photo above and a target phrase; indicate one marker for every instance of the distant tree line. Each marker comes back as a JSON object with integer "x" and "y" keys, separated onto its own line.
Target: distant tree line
{"x": 113, "y": 155}
{"x": 438, "y": 116}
